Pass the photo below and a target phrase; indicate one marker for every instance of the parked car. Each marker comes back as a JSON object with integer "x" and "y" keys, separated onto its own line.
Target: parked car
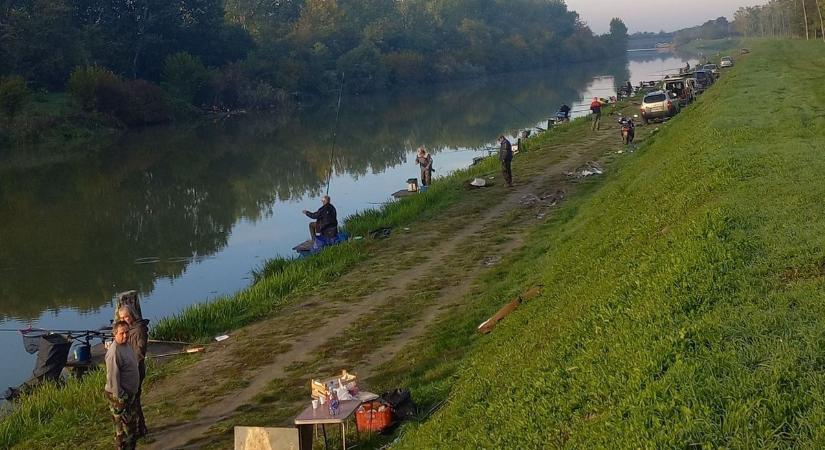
{"x": 744, "y": 51}
{"x": 659, "y": 105}
{"x": 712, "y": 68}
{"x": 726, "y": 61}
{"x": 704, "y": 80}
{"x": 682, "y": 87}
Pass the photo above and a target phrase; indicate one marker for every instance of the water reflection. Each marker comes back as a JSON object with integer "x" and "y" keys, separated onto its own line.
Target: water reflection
{"x": 73, "y": 231}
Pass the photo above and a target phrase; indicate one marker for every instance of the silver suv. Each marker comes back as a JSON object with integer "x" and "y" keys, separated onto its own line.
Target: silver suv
{"x": 659, "y": 105}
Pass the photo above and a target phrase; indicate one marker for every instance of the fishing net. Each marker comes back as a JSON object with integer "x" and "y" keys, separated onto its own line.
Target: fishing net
{"x": 51, "y": 357}
{"x": 31, "y": 340}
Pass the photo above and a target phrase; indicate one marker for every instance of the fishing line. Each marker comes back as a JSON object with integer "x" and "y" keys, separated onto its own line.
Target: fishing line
{"x": 335, "y": 131}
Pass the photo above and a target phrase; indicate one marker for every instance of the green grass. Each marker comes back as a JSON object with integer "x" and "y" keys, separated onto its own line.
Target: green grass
{"x": 711, "y": 46}
{"x": 683, "y": 298}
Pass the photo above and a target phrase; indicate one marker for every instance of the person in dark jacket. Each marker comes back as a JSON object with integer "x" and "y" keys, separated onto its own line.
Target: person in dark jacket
{"x": 137, "y": 339}
{"x": 505, "y": 155}
{"x": 425, "y": 160}
{"x": 326, "y": 220}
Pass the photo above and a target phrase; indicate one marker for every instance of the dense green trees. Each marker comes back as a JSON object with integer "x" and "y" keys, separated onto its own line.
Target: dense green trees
{"x": 225, "y": 53}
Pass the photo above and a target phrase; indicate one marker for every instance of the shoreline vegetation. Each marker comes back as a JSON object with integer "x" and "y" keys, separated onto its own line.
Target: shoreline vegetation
{"x": 131, "y": 65}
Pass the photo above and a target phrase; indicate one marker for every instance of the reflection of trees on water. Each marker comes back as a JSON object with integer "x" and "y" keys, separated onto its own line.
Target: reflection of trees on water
{"x": 72, "y": 232}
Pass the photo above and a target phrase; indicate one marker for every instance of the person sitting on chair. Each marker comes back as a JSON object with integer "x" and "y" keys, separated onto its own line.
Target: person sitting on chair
{"x": 326, "y": 220}
{"x": 564, "y": 112}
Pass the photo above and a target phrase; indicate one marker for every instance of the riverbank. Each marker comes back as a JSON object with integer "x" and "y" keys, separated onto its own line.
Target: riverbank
{"x": 700, "y": 236}
{"x": 51, "y": 128}
{"x": 682, "y": 301}
{"x": 443, "y": 220}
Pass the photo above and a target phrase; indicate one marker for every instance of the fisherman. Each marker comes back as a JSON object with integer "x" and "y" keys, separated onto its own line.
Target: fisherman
{"x": 425, "y": 160}
{"x": 628, "y": 88}
{"x": 326, "y": 220}
{"x": 122, "y": 384}
{"x": 505, "y": 154}
{"x": 564, "y": 112}
{"x": 596, "y": 112}
{"x": 137, "y": 338}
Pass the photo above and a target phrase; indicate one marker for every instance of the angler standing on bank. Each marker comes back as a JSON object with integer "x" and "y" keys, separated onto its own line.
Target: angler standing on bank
{"x": 122, "y": 383}
{"x": 505, "y": 154}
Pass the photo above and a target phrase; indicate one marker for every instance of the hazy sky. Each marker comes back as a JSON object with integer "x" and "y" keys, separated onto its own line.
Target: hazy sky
{"x": 654, "y": 15}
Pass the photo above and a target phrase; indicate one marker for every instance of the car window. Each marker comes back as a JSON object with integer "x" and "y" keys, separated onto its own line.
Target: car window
{"x": 655, "y": 98}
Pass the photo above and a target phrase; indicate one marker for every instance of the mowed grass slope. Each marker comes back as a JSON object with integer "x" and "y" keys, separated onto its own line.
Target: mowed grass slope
{"x": 684, "y": 299}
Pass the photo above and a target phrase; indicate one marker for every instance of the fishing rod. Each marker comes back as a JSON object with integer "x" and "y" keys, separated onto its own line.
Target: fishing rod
{"x": 32, "y": 330}
{"x": 335, "y": 131}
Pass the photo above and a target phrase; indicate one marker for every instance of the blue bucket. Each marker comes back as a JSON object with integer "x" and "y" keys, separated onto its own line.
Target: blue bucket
{"x": 82, "y": 353}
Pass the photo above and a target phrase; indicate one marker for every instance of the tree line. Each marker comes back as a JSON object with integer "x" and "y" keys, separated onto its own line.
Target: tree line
{"x": 130, "y": 59}
{"x": 782, "y": 18}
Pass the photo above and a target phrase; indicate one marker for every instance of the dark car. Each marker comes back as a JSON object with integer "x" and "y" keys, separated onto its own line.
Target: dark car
{"x": 704, "y": 79}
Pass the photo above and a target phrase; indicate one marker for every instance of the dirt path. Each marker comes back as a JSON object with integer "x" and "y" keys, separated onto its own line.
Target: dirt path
{"x": 307, "y": 337}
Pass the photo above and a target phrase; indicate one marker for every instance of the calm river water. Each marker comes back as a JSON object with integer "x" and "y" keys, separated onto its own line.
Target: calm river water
{"x": 182, "y": 214}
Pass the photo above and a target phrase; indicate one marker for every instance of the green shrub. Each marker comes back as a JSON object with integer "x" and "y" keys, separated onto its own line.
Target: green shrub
{"x": 185, "y": 76}
{"x": 13, "y": 95}
{"x": 85, "y": 82}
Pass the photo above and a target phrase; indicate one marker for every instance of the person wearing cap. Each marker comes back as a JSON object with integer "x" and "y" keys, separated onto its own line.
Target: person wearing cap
{"x": 425, "y": 160}
{"x": 326, "y": 220}
{"x": 505, "y": 155}
{"x": 596, "y": 111}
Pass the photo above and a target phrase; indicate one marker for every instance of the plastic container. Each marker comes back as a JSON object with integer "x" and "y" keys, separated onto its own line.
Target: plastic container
{"x": 373, "y": 416}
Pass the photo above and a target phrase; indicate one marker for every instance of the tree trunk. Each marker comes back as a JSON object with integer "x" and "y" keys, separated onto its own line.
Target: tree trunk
{"x": 821, "y": 22}
{"x": 805, "y": 18}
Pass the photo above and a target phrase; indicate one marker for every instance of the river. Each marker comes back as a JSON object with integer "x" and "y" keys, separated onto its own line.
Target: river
{"x": 183, "y": 213}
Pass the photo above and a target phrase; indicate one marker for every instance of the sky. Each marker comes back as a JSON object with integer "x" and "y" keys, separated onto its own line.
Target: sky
{"x": 654, "y": 15}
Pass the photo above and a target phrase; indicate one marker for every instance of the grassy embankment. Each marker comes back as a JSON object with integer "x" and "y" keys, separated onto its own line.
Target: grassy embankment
{"x": 683, "y": 298}
{"x": 51, "y": 417}
{"x": 709, "y": 47}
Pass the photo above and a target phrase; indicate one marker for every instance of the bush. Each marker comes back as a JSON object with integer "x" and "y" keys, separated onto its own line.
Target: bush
{"x": 232, "y": 87}
{"x": 185, "y": 76}
{"x": 407, "y": 67}
{"x": 84, "y": 83}
{"x": 13, "y": 95}
{"x": 363, "y": 68}
{"x": 134, "y": 102}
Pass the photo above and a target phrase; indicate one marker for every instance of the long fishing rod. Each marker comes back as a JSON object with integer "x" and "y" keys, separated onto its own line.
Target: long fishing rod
{"x": 335, "y": 131}
{"x": 32, "y": 330}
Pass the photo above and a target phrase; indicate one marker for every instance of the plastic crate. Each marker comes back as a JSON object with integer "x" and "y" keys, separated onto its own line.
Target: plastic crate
{"x": 373, "y": 416}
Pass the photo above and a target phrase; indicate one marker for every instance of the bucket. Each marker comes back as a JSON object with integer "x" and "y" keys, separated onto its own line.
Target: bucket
{"x": 82, "y": 354}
